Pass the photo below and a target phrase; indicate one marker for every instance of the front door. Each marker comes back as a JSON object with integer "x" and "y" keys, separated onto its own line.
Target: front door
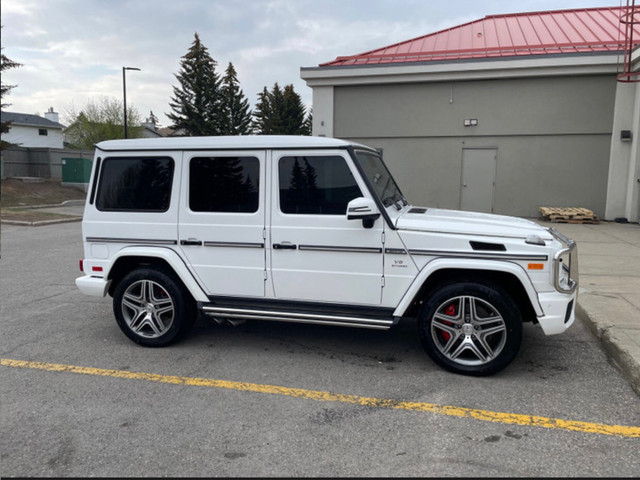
{"x": 316, "y": 253}
{"x": 478, "y": 178}
{"x": 222, "y": 223}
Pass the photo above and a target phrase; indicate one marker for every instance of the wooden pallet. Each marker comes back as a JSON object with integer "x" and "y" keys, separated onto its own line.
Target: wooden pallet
{"x": 569, "y": 215}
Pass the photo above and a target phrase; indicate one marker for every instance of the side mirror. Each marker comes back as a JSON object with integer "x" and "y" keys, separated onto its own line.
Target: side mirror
{"x": 363, "y": 209}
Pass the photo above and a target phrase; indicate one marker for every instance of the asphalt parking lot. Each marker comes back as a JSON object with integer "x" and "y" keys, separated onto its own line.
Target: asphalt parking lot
{"x": 268, "y": 399}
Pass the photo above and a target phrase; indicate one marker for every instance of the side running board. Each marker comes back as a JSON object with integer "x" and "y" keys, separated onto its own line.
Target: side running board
{"x": 379, "y": 319}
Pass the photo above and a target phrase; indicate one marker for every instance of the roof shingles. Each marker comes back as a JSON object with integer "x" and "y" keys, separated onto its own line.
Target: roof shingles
{"x": 28, "y": 120}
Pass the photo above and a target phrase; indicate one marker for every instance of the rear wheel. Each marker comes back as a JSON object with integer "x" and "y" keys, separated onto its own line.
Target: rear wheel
{"x": 152, "y": 308}
{"x": 471, "y": 328}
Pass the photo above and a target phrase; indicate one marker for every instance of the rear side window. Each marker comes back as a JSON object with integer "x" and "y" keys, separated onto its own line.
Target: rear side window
{"x": 321, "y": 185}
{"x": 129, "y": 184}
{"x": 224, "y": 184}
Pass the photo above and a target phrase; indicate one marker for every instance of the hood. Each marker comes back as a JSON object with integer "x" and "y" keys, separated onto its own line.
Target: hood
{"x": 456, "y": 221}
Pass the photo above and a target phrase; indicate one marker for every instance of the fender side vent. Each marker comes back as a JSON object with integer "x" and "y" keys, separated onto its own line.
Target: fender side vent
{"x": 417, "y": 210}
{"x": 488, "y": 247}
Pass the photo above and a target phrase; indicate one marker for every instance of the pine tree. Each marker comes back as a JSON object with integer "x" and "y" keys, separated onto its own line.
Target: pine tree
{"x": 235, "y": 116}
{"x": 262, "y": 113}
{"x": 277, "y": 111}
{"x": 5, "y": 64}
{"x": 308, "y": 123}
{"x": 196, "y": 102}
{"x": 153, "y": 119}
{"x": 292, "y": 112}
{"x": 280, "y": 112}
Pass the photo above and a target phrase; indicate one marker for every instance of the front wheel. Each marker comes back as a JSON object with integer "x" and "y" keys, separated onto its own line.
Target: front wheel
{"x": 471, "y": 328}
{"x": 151, "y": 307}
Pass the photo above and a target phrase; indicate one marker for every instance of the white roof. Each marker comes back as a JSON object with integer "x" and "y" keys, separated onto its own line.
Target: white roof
{"x": 225, "y": 142}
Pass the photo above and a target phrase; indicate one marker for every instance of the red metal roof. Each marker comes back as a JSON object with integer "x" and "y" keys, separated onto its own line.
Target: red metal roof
{"x": 520, "y": 34}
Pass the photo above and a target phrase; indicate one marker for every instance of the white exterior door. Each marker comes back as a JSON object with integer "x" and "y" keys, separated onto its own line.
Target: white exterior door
{"x": 317, "y": 254}
{"x": 478, "y": 179}
{"x": 222, "y": 223}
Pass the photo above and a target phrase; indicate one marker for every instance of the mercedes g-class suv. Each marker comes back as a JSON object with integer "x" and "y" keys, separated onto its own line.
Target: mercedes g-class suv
{"x": 311, "y": 230}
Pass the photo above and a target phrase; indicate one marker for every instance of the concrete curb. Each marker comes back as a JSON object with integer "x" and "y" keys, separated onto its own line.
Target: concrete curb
{"x": 617, "y": 343}
{"x": 67, "y": 203}
{"x": 42, "y": 222}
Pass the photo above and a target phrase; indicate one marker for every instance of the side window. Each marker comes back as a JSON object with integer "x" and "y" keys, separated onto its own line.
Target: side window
{"x": 130, "y": 184}
{"x": 224, "y": 184}
{"x": 321, "y": 185}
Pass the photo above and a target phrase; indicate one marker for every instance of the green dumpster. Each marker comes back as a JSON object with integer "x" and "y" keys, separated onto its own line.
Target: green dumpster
{"x": 76, "y": 170}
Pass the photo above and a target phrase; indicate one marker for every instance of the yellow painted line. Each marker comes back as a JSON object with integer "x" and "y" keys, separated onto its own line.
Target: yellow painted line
{"x": 484, "y": 415}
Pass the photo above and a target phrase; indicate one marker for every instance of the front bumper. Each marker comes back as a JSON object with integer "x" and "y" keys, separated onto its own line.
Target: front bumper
{"x": 559, "y": 311}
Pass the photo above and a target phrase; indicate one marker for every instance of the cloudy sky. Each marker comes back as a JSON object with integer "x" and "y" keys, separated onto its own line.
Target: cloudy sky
{"x": 73, "y": 51}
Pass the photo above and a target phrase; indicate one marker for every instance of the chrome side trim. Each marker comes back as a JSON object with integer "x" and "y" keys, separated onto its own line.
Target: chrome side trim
{"x": 395, "y": 251}
{"x": 488, "y": 256}
{"x": 137, "y": 241}
{"x": 234, "y": 244}
{"x": 298, "y": 317}
{"x": 329, "y": 248}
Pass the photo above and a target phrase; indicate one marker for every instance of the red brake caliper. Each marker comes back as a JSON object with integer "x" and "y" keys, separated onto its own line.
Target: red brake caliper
{"x": 451, "y": 311}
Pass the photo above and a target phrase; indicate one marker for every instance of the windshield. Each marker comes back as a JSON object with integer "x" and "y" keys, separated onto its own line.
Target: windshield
{"x": 384, "y": 186}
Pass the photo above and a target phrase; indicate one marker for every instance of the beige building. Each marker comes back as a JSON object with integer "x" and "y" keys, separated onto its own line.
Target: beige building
{"x": 504, "y": 114}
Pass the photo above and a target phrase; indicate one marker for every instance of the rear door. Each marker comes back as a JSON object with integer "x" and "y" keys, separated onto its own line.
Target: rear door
{"x": 222, "y": 221}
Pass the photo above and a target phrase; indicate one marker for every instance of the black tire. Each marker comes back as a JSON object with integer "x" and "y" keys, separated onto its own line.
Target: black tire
{"x": 152, "y": 308}
{"x": 471, "y": 328}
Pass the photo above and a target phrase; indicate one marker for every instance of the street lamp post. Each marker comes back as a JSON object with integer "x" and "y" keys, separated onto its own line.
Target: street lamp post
{"x": 124, "y": 95}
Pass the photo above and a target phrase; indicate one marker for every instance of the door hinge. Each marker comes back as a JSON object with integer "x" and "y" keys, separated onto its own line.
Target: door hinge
{"x": 264, "y": 233}
{"x": 265, "y": 275}
{"x": 382, "y": 281}
{"x": 383, "y": 237}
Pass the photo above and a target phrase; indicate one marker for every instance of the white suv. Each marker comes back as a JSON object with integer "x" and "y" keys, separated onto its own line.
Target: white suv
{"x": 311, "y": 230}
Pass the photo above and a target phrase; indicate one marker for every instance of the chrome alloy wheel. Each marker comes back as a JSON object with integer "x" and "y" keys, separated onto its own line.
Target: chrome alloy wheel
{"x": 148, "y": 309}
{"x": 468, "y": 330}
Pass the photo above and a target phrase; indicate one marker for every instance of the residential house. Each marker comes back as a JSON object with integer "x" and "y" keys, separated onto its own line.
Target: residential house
{"x": 33, "y": 131}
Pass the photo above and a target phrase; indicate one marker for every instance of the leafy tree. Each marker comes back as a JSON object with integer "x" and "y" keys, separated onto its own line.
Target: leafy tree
{"x": 196, "y": 101}
{"x": 235, "y": 116}
{"x": 101, "y": 119}
{"x": 5, "y": 64}
{"x": 279, "y": 112}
